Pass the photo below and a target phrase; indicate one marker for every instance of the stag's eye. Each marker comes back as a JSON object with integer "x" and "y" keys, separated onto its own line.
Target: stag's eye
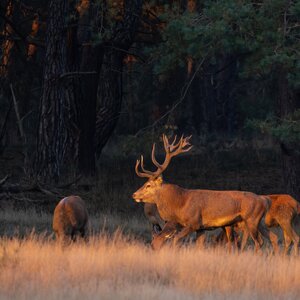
{"x": 147, "y": 186}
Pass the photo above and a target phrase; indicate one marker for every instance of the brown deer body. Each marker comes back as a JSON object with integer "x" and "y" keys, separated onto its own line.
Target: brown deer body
{"x": 151, "y": 213}
{"x": 196, "y": 210}
{"x": 70, "y": 218}
{"x": 283, "y": 210}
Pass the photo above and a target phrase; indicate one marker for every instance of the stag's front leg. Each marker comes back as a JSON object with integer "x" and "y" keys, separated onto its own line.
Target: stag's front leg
{"x": 230, "y": 237}
{"x": 182, "y": 234}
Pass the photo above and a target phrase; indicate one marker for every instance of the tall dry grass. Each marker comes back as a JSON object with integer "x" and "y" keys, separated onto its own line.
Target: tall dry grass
{"x": 115, "y": 267}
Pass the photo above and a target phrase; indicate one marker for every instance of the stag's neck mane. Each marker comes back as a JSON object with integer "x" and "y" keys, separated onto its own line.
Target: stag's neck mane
{"x": 170, "y": 199}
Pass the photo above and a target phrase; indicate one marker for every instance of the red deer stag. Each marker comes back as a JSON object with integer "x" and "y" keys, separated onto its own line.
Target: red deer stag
{"x": 70, "y": 218}
{"x": 196, "y": 210}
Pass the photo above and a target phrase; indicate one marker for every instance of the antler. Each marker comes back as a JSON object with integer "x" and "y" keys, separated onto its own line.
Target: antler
{"x": 145, "y": 173}
{"x": 172, "y": 150}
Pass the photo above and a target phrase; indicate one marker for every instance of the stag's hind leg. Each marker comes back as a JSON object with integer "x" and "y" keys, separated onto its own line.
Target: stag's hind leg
{"x": 271, "y": 236}
{"x": 289, "y": 236}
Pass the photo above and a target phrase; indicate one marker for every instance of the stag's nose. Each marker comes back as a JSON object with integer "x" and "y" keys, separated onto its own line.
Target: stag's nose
{"x": 136, "y": 197}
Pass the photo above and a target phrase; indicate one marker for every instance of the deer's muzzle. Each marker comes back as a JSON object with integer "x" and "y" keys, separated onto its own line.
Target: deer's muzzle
{"x": 136, "y": 198}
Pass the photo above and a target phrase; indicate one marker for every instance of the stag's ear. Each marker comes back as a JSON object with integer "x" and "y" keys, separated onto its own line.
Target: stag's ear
{"x": 159, "y": 179}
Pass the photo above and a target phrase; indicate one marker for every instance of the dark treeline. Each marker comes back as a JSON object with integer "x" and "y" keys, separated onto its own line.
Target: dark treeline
{"x": 73, "y": 70}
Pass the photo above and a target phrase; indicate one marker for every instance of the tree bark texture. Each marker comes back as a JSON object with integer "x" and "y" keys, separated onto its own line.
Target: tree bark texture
{"x": 53, "y": 128}
{"x": 110, "y": 85}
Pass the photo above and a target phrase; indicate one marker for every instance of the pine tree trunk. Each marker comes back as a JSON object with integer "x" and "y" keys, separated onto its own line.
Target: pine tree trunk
{"x": 53, "y": 132}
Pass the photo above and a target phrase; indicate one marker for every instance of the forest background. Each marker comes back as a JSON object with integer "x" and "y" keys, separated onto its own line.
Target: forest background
{"x": 86, "y": 86}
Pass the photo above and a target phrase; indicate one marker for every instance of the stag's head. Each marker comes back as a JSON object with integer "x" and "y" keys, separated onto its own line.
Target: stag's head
{"x": 149, "y": 191}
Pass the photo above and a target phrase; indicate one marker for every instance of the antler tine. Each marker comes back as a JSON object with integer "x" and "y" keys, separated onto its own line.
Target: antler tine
{"x": 144, "y": 173}
{"x": 156, "y": 163}
{"x": 187, "y": 149}
{"x": 169, "y": 147}
{"x": 186, "y": 141}
{"x": 166, "y": 143}
{"x": 175, "y": 146}
{"x": 180, "y": 148}
{"x": 143, "y": 168}
{"x": 170, "y": 152}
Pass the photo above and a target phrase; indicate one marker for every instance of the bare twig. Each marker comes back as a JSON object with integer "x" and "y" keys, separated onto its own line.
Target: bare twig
{"x": 18, "y": 114}
{"x": 183, "y": 95}
{"x": 25, "y": 199}
{"x": 127, "y": 52}
{"x": 3, "y": 129}
{"x": 18, "y": 188}
{"x": 63, "y": 186}
{"x": 46, "y": 191}
{"x": 73, "y": 74}
{"x": 25, "y": 116}
{"x": 3, "y": 180}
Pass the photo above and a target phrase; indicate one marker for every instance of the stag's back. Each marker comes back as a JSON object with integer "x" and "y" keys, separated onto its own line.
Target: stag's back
{"x": 70, "y": 217}
{"x": 220, "y": 203}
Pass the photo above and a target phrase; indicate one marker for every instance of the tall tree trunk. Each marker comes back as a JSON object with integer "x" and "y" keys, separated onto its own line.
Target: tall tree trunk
{"x": 225, "y": 96}
{"x": 290, "y": 152}
{"x": 189, "y": 126}
{"x": 53, "y": 132}
{"x": 110, "y": 86}
{"x": 110, "y": 93}
{"x": 91, "y": 61}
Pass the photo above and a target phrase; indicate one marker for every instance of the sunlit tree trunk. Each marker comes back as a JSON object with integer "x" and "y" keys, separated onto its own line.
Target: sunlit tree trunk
{"x": 8, "y": 42}
{"x": 32, "y": 48}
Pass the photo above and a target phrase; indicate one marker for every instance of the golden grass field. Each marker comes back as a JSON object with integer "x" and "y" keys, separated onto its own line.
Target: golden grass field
{"x": 113, "y": 265}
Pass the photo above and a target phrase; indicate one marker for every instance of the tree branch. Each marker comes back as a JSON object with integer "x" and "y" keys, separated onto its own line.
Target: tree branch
{"x": 183, "y": 95}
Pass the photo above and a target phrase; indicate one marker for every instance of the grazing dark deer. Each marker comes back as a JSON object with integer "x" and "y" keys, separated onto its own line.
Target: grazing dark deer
{"x": 196, "y": 210}
{"x": 70, "y": 218}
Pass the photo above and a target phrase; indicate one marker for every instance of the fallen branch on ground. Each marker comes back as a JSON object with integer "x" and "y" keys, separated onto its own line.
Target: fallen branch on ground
{"x": 20, "y": 188}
